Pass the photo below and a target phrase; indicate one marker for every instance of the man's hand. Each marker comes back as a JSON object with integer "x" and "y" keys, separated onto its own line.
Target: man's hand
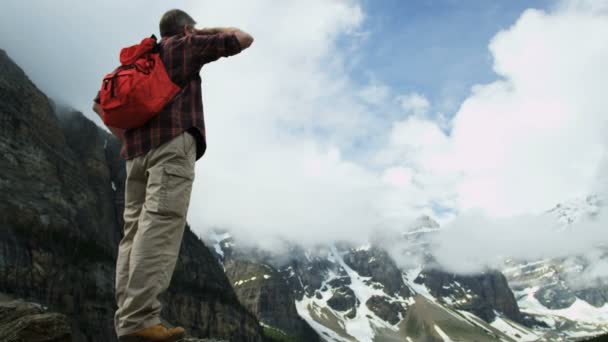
{"x": 118, "y": 132}
{"x": 245, "y": 39}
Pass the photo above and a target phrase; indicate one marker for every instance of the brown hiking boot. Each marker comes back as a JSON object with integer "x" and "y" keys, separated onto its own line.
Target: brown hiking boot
{"x": 156, "y": 333}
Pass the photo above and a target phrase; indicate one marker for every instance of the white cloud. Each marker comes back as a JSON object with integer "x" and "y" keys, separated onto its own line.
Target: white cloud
{"x": 274, "y": 165}
{"x": 524, "y": 143}
{"x": 375, "y": 93}
{"x": 474, "y": 241}
{"x": 414, "y": 104}
{"x": 536, "y": 137}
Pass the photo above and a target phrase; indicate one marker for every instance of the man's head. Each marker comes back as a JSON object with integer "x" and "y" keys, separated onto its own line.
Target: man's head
{"x": 175, "y": 22}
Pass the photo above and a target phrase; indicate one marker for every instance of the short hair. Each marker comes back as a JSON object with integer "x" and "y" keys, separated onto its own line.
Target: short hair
{"x": 173, "y": 22}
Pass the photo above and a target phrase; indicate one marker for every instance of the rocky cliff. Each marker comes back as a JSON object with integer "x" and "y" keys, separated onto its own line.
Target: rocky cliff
{"x": 59, "y": 221}
{"x": 61, "y": 193}
{"x": 483, "y": 294}
{"x": 264, "y": 291}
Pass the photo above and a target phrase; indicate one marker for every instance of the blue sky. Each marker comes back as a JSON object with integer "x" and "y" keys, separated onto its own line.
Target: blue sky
{"x": 438, "y": 48}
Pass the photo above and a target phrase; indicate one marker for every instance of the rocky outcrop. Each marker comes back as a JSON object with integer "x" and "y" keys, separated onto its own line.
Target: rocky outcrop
{"x": 597, "y": 296}
{"x": 21, "y": 321}
{"x": 481, "y": 294}
{"x": 377, "y": 264}
{"x": 555, "y": 296}
{"x": 202, "y": 300}
{"x": 264, "y": 292}
{"x": 305, "y": 272}
{"x": 389, "y": 311}
{"x": 61, "y": 193}
{"x": 343, "y": 299}
{"x": 29, "y": 322}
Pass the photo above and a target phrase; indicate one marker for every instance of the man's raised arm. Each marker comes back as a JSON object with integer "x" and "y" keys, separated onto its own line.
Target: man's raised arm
{"x": 244, "y": 38}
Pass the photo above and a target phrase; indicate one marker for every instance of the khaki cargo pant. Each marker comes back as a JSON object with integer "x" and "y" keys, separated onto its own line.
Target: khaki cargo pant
{"x": 157, "y": 196}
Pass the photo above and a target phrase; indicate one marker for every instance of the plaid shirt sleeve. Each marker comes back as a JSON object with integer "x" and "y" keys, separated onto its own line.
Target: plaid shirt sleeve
{"x": 209, "y": 48}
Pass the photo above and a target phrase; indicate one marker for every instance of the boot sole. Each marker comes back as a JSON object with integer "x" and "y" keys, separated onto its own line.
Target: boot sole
{"x": 175, "y": 338}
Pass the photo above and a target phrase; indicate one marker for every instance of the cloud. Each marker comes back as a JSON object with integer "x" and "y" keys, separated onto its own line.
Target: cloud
{"x": 375, "y": 93}
{"x": 535, "y": 136}
{"x": 529, "y": 140}
{"x": 296, "y": 150}
{"x": 414, "y": 104}
{"x": 474, "y": 242}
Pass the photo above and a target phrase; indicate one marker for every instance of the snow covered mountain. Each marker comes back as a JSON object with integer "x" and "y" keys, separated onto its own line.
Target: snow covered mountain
{"x": 358, "y": 293}
{"x": 346, "y": 293}
{"x": 547, "y": 288}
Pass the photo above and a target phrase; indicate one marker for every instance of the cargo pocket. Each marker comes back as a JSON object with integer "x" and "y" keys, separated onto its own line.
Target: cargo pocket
{"x": 168, "y": 190}
{"x": 176, "y": 189}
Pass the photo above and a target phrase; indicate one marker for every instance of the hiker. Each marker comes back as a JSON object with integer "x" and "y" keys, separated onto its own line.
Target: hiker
{"x": 160, "y": 158}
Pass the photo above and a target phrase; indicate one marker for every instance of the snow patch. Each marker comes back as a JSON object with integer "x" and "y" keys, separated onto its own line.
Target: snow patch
{"x": 579, "y": 311}
{"x": 475, "y": 321}
{"x": 410, "y": 275}
{"x": 216, "y": 239}
{"x": 241, "y": 282}
{"x": 513, "y": 331}
{"x": 361, "y": 327}
{"x": 303, "y": 307}
{"x": 442, "y": 334}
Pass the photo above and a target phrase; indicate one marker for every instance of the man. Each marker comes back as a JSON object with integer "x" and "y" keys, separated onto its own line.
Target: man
{"x": 160, "y": 170}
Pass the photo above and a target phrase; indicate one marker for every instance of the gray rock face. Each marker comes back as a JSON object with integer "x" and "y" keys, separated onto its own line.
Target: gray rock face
{"x": 21, "y": 321}
{"x": 597, "y": 296}
{"x": 264, "y": 292}
{"x": 343, "y": 299}
{"x": 61, "y": 199}
{"x": 389, "y": 311}
{"x": 557, "y": 296}
{"x": 305, "y": 273}
{"x": 481, "y": 294}
{"x": 338, "y": 282}
{"x": 378, "y": 265}
{"x": 201, "y": 299}
{"x": 59, "y": 228}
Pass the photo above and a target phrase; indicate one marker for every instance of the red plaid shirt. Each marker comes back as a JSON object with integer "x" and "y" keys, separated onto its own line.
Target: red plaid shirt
{"x": 183, "y": 57}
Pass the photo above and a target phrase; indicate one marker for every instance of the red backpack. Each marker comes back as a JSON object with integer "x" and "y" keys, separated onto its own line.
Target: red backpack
{"x": 138, "y": 89}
